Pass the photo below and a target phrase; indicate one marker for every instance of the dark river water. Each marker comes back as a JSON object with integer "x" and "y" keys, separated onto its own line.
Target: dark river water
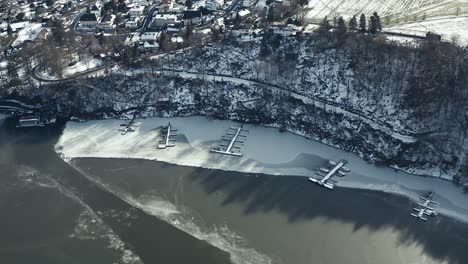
{"x": 137, "y": 211}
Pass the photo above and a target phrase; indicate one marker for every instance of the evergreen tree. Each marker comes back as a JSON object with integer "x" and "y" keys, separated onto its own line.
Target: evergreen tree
{"x": 264, "y": 47}
{"x": 188, "y": 32}
{"x": 374, "y": 24}
{"x": 324, "y": 26}
{"x": 341, "y": 27}
{"x": 378, "y": 23}
{"x": 362, "y": 24}
{"x": 271, "y": 14}
{"x": 353, "y": 23}
{"x": 302, "y": 3}
{"x": 12, "y": 71}
{"x": 189, "y": 4}
{"x": 237, "y": 19}
{"x": 49, "y": 3}
{"x": 58, "y": 32}
{"x": 9, "y": 29}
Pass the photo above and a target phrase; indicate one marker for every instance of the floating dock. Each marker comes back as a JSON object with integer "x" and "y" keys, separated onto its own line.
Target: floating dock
{"x": 425, "y": 209}
{"x": 326, "y": 181}
{"x": 167, "y": 140}
{"x": 234, "y": 141}
{"x": 128, "y": 127}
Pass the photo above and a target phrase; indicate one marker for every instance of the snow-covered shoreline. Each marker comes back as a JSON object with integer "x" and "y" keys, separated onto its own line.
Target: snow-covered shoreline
{"x": 266, "y": 150}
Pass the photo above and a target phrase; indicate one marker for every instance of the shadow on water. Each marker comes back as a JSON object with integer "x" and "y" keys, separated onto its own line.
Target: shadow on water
{"x": 153, "y": 240}
{"x": 441, "y": 237}
{"x": 296, "y": 198}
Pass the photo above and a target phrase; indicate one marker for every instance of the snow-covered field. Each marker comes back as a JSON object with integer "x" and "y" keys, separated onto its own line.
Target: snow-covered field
{"x": 320, "y": 9}
{"x": 449, "y": 27}
{"x": 265, "y": 150}
{"x": 445, "y": 17}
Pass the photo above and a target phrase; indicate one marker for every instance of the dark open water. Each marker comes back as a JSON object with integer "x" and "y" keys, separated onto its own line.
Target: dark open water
{"x": 51, "y": 214}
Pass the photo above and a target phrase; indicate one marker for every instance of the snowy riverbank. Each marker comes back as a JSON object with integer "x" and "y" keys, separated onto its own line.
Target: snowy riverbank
{"x": 266, "y": 151}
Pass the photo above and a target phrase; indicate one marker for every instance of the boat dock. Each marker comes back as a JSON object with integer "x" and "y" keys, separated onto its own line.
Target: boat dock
{"x": 167, "y": 140}
{"x": 326, "y": 181}
{"x": 234, "y": 141}
{"x": 424, "y": 209}
{"x": 128, "y": 127}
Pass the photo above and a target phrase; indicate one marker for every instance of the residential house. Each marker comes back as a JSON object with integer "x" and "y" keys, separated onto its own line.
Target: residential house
{"x": 162, "y": 20}
{"x": 192, "y": 16}
{"x": 133, "y": 23}
{"x": 136, "y": 11}
{"x": 88, "y": 20}
{"x": 150, "y": 36}
{"x": 107, "y": 22}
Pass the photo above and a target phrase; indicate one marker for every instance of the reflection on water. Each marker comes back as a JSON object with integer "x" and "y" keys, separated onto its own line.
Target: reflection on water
{"x": 285, "y": 218}
{"x": 52, "y": 214}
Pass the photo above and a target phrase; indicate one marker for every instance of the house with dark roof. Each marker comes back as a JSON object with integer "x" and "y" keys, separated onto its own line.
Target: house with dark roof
{"x": 88, "y": 20}
{"x": 192, "y": 16}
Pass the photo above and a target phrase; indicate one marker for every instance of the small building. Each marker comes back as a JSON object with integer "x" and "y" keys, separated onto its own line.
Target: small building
{"x": 88, "y": 20}
{"x": 244, "y": 13}
{"x": 136, "y": 11}
{"x": 150, "y": 36}
{"x": 30, "y": 121}
{"x": 284, "y": 31}
{"x": 192, "y": 16}
{"x": 162, "y": 20}
{"x": 107, "y": 22}
{"x": 148, "y": 46}
{"x": 174, "y": 28}
{"x": 133, "y": 23}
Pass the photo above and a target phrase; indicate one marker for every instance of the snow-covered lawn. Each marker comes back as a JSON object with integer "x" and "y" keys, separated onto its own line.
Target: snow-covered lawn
{"x": 28, "y": 33}
{"x": 81, "y": 66}
{"x": 265, "y": 150}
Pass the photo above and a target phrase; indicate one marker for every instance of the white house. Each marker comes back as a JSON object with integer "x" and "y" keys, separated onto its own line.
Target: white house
{"x": 161, "y": 20}
{"x": 141, "y": 2}
{"x": 136, "y": 11}
{"x": 149, "y": 46}
{"x": 150, "y": 36}
{"x": 283, "y": 31}
{"x": 133, "y": 23}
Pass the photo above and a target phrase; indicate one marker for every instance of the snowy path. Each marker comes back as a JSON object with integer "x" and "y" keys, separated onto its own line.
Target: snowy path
{"x": 290, "y": 154}
{"x": 395, "y": 134}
